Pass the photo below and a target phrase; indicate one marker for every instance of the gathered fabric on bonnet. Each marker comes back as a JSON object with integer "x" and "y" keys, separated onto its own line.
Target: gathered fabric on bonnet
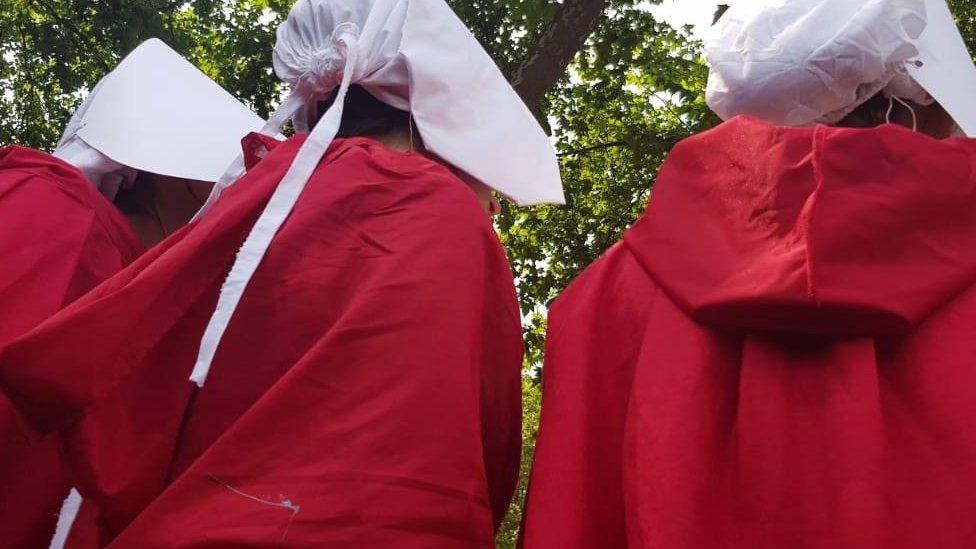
{"x": 802, "y": 62}
{"x": 799, "y": 62}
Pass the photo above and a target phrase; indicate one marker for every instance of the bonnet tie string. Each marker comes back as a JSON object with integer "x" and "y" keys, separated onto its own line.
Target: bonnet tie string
{"x": 345, "y": 41}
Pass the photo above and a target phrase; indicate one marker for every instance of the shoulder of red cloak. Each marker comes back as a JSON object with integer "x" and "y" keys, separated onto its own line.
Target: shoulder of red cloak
{"x": 433, "y": 187}
{"x": 603, "y": 284}
{"x": 427, "y": 197}
{"x": 49, "y": 175}
{"x": 596, "y": 330}
{"x": 45, "y": 227}
{"x": 256, "y": 146}
{"x": 431, "y": 203}
{"x": 15, "y": 157}
{"x": 966, "y": 144}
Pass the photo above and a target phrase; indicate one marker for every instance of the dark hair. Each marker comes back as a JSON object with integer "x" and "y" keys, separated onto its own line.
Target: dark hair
{"x": 869, "y": 114}
{"x": 135, "y": 198}
{"x": 366, "y": 116}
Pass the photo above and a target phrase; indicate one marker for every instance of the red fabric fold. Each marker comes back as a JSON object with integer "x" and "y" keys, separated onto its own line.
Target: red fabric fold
{"x": 698, "y": 395}
{"x": 827, "y": 230}
{"x": 58, "y": 238}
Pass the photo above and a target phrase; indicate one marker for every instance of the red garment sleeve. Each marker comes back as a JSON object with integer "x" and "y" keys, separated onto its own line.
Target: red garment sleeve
{"x": 594, "y": 340}
{"x": 54, "y": 250}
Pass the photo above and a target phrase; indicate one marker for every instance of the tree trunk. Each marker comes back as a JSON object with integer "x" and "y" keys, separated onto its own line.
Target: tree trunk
{"x": 547, "y": 62}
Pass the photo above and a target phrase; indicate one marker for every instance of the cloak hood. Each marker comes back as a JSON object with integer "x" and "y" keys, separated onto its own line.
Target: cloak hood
{"x": 817, "y": 230}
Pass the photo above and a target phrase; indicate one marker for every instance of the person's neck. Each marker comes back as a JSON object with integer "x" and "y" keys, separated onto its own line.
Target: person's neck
{"x": 396, "y": 141}
{"x": 173, "y": 204}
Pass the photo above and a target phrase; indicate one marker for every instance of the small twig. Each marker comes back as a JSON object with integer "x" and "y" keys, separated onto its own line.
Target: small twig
{"x": 592, "y": 148}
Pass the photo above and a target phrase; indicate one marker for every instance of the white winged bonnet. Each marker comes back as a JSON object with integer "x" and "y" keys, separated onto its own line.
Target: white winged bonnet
{"x": 158, "y": 113}
{"x": 801, "y": 62}
{"x": 417, "y": 56}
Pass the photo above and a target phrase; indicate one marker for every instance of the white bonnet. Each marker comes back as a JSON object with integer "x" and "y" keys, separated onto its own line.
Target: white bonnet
{"x": 158, "y": 113}
{"x": 415, "y": 55}
{"x": 799, "y": 62}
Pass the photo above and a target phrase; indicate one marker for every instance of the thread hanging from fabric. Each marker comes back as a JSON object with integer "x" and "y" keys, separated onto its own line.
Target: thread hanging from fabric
{"x": 891, "y": 107}
{"x": 285, "y": 503}
{"x": 281, "y": 204}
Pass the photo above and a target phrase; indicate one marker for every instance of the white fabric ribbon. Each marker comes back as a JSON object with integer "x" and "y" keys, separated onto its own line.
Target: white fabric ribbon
{"x": 345, "y": 54}
{"x": 66, "y": 519}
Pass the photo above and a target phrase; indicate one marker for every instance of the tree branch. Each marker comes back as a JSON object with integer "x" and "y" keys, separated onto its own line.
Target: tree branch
{"x": 719, "y": 12}
{"x": 82, "y": 41}
{"x": 601, "y": 146}
{"x": 547, "y": 62}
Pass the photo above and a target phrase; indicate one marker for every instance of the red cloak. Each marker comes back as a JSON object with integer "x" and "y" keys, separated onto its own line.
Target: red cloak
{"x": 58, "y": 238}
{"x": 781, "y": 353}
{"x": 366, "y": 393}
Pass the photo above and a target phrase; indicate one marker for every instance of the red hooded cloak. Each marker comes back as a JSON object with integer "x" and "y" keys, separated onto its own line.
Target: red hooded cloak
{"x": 781, "y": 353}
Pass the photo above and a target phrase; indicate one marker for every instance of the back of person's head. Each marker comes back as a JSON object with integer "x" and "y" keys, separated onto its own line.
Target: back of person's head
{"x": 355, "y": 67}
{"x": 366, "y": 116}
{"x": 931, "y": 119}
{"x": 857, "y": 63}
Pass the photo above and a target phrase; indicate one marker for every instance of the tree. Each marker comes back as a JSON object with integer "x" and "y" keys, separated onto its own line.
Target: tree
{"x": 965, "y": 12}
{"x": 547, "y": 61}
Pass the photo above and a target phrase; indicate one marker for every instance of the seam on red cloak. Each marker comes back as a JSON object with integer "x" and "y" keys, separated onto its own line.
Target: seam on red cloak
{"x": 819, "y": 136}
{"x": 66, "y": 298}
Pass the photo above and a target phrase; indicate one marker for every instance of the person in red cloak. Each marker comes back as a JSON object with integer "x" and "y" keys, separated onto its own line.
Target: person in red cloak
{"x": 58, "y": 238}
{"x": 67, "y": 223}
{"x": 365, "y": 389}
{"x": 780, "y": 352}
